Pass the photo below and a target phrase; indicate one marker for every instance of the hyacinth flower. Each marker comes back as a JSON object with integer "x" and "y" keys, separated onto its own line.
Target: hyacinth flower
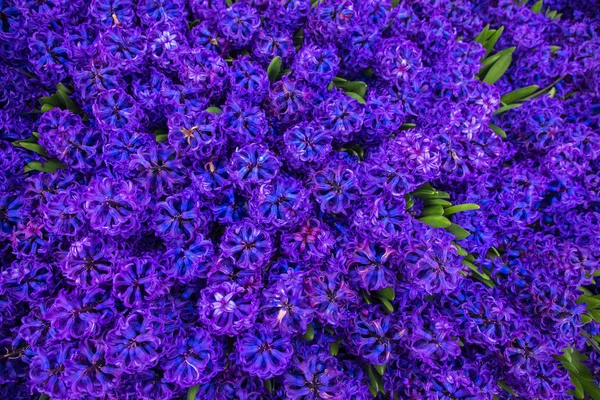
{"x": 238, "y": 23}
{"x": 433, "y": 338}
{"x": 151, "y": 384}
{"x": 81, "y": 314}
{"x": 282, "y": 203}
{"x": 341, "y": 115}
{"x": 63, "y": 214}
{"x": 372, "y": 340}
{"x": 317, "y": 65}
{"x": 253, "y": 164}
{"x": 196, "y": 134}
{"x": 27, "y": 280}
{"x": 157, "y": 168}
{"x": 123, "y": 47}
{"x": 331, "y": 297}
{"x": 90, "y": 262}
{"x": 112, "y": 205}
{"x": 248, "y": 81}
{"x": 134, "y": 345}
{"x": 227, "y": 309}
{"x": 233, "y": 383}
{"x": 137, "y": 281}
{"x": 193, "y": 358}
{"x": 178, "y": 216}
{"x": 47, "y": 371}
{"x": 314, "y": 376}
{"x": 263, "y": 353}
{"x": 88, "y": 373}
{"x": 307, "y": 143}
{"x": 204, "y": 69}
{"x": 311, "y": 242}
{"x": 373, "y": 265}
{"x": 153, "y": 12}
{"x": 248, "y": 245}
{"x": 115, "y": 109}
{"x": 225, "y": 270}
{"x": 286, "y": 309}
{"x": 249, "y": 122}
{"x": 187, "y": 260}
{"x": 113, "y": 12}
{"x": 230, "y": 207}
{"x": 10, "y": 213}
{"x": 335, "y": 188}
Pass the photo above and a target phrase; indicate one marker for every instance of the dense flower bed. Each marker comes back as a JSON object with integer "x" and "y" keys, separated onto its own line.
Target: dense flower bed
{"x": 272, "y": 199}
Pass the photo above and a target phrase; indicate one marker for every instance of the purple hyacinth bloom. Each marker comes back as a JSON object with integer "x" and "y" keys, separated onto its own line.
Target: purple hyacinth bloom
{"x": 178, "y": 216}
{"x": 314, "y": 377}
{"x": 188, "y": 259}
{"x": 193, "y": 358}
{"x": 47, "y": 371}
{"x": 307, "y": 143}
{"x": 134, "y": 344}
{"x": 138, "y": 281}
{"x": 112, "y": 206}
{"x": 286, "y": 310}
{"x": 238, "y": 23}
{"x": 81, "y": 314}
{"x": 27, "y": 280}
{"x": 372, "y": 340}
{"x": 197, "y": 134}
{"x": 88, "y": 372}
{"x": 335, "y": 188}
{"x": 263, "y": 353}
{"x": 227, "y": 309}
{"x": 115, "y": 109}
{"x": 253, "y": 164}
{"x": 248, "y": 245}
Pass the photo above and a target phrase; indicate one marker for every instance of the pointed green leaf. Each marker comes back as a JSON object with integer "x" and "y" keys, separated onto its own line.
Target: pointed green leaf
{"x": 299, "y": 38}
{"x": 386, "y": 293}
{"x": 458, "y": 232}
{"x": 436, "y": 221}
{"x": 432, "y": 210}
{"x": 309, "y": 334}
{"x": 537, "y": 7}
{"x": 228, "y": 3}
{"x": 460, "y": 250}
{"x": 36, "y": 148}
{"x": 191, "y": 393}
{"x": 334, "y": 348}
{"x": 460, "y": 208}
{"x": 491, "y": 42}
{"x": 380, "y": 368}
{"x": 504, "y": 109}
{"x": 519, "y": 94}
{"x": 504, "y": 386}
{"x": 499, "y": 131}
{"x": 437, "y": 202}
{"x": 47, "y": 107}
{"x": 356, "y": 96}
{"x": 49, "y": 166}
{"x": 387, "y": 305}
{"x": 52, "y": 100}
{"x": 214, "y": 110}
{"x": 498, "y": 69}
{"x": 483, "y": 35}
{"x": 274, "y": 68}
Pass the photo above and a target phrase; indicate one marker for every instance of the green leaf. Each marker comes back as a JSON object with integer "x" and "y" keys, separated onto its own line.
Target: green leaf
{"x": 461, "y": 208}
{"x": 60, "y": 88}
{"x": 192, "y": 24}
{"x": 386, "y": 293}
{"x": 380, "y": 368}
{"x": 504, "y": 386}
{"x": 214, "y": 110}
{"x": 504, "y": 109}
{"x": 52, "y": 100}
{"x": 458, "y": 232}
{"x": 387, "y": 305}
{"x": 483, "y": 35}
{"x": 43, "y": 397}
{"x": 47, "y": 107}
{"x": 356, "y": 96}
{"x": 554, "y": 49}
{"x": 436, "y": 221}
{"x": 407, "y": 125}
{"x": 68, "y": 103}
{"x": 432, "y": 210}
{"x": 437, "y": 202}
{"x": 491, "y": 42}
{"x": 358, "y": 87}
{"x": 161, "y": 138}
{"x": 269, "y": 385}
{"x": 191, "y": 393}
{"x": 274, "y": 68}
{"x": 49, "y": 166}
{"x": 460, "y": 250}
{"x": 519, "y": 94}
{"x": 498, "y": 69}
{"x": 309, "y": 334}
{"x": 299, "y": 38}
{"x": 578, "y": 392}
{"x": 537, "y": 7}
{"x": 36, "y": 148}
{"x": 334, "y": 348}
{"x": 585, "y": 318}
{"x": 228, "y": 2}
{"x": 499, "y": 131}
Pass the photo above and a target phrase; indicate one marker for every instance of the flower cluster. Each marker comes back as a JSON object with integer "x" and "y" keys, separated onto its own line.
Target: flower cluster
{"x": 295, "y": 199}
